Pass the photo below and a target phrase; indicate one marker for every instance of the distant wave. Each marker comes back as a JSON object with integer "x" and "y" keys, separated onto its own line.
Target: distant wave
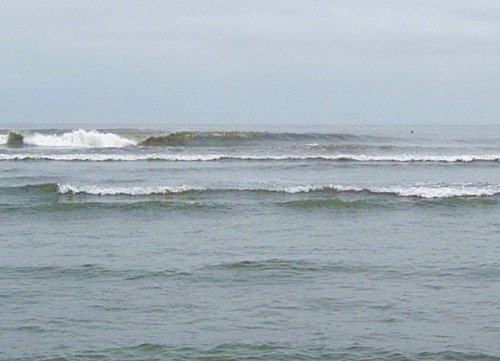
{"x": 230, "y": 138}
{"x": 87, "y": 271}
{"x": 288, "y": 265}
{"x": 419, "y": 191}
{"x": 76, "y": 138}
{"x": 394, "y": 158}
{"x": 94, "y": 138}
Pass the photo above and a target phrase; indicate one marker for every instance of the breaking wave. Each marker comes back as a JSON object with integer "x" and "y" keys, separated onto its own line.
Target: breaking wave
{"x": 450, "y": 191}
{"x": 420, "y": 191}
{"x": 165, "y": 190}
{"x": 131, "y": 191}
{"x": 76, "y": 138}
{"x": 396, "y": 158}
{"x": 94, "y": 138}
{"x": 229, "y": 138}
{"x": 441, "y": 191}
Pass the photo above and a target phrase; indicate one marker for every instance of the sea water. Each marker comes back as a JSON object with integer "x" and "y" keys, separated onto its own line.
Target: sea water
{"x": 250, "y": 243}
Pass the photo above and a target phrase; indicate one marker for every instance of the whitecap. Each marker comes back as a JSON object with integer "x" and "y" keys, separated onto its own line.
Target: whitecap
{"x": 78, "y": 138}
{"x": 418, "y": 191}
{"x": 132, "y": 191}
{"x": 441, "y": 191}
{"x": 251, "y": 157}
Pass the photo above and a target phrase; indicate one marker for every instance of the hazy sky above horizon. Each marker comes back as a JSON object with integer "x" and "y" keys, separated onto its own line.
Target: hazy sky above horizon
{"x": 208, "y": 62}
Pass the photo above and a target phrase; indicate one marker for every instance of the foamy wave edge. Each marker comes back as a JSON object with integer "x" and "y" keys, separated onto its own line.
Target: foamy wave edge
{"x": 84, "y": 157}
{"x": 131, "y": 191}
{"x": 456, "y": 190}
{"x": 75, "y": 138}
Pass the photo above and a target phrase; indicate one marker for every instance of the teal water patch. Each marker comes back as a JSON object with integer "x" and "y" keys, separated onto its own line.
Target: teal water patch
{"x": 43, "y": 188}
{"x": 199, "y": 139}
{"x": 458, "y": 202}
{"x": 232, "y": 138}
{"x": 329, "y": 203}
{"x": 278, "y": 271}
{"x": 15, "y": 140}
{"x": 31, "y": 188}
{"x": 145, "y": 205}
{"x": 284, "y": 266}
{"x": 468, "y": 201}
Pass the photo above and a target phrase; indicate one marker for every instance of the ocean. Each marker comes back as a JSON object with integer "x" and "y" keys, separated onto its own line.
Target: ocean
{"x": 250, "y": 243}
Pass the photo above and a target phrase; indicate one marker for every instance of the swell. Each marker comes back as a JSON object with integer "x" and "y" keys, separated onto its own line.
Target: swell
{"x": 142, "y": 205}
{"x": 231, "y": 138}
{"x": 423, "y": 191}
{"x": 288, "y": 266}
{"x": 85, "y": 271}
{"x": 276, "y": 266}
{"x": 320, "y": 203}
{"x": 263, "y": 351}
{"x": 451, "y": 191}
{"x": 361, "y": 158}
{"x": 402, "y": 148}
{"x": 95, "y": 138}
{"x": 479, "y": 272}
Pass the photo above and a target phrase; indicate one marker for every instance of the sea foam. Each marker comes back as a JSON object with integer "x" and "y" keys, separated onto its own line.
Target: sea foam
{"x": 445, "y": 191}
{"x": 396, "y": 158}
{"x": 418, "y": 191}
{"x": 132, "y": 191}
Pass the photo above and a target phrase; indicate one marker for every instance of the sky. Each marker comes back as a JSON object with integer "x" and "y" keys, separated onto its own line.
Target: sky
{"x": 250, "y": 62}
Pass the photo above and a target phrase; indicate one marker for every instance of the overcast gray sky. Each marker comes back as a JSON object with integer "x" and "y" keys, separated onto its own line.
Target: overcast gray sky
{"x": 394, "y": 61}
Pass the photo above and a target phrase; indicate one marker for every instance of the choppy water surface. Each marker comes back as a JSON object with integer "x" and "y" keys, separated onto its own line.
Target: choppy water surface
{"x": 348, "y": 243}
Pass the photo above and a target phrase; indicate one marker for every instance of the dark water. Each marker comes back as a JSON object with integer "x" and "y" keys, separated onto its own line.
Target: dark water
{"x": 339, "y": 243}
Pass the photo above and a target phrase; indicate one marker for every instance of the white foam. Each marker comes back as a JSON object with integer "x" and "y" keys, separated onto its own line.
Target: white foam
{"x": 420, "y": 191}
{"x": 4, "y": 138}
{"x": 89, "y": 157}
{"x": 78, "y": 138}
{"x": 158, "y": 190}
{"x": 215, "y": 157}
{"x": 133, "y": 191}
{"x": 406, "y": 158}
{"x": 442, "y": 191}
{"x": 318, "y": 188}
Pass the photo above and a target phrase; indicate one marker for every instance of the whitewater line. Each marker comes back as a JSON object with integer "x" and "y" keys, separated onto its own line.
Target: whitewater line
{"x": 397, "y": 158}
{"x": 419, "y": 191}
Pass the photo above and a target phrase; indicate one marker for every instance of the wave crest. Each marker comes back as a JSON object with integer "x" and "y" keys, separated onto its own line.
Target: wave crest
{"x": 78, "y": 138}
{"x": 420, "y": 191}
{"x": 445, "y": 191}
{"x": 396, "y": 158}
{"x": 450, "y": 191}
{"x": 131, "y": 191}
